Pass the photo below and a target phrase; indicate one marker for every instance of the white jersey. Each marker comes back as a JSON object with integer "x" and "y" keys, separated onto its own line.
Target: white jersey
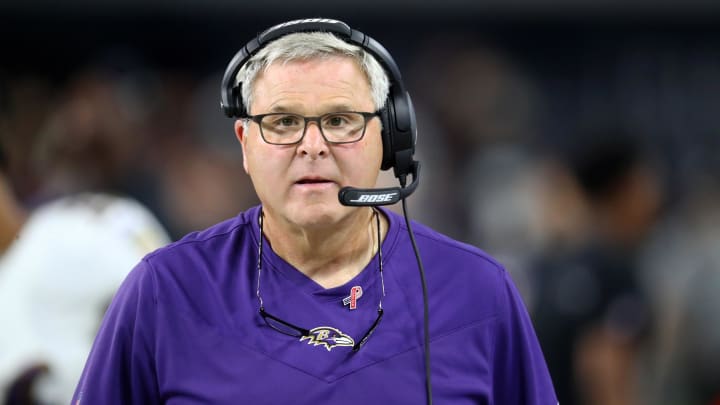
{"x": 57, "y": 278}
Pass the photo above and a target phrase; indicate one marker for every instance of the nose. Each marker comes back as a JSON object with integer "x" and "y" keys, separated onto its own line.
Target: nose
{"x": 313, "y": 143}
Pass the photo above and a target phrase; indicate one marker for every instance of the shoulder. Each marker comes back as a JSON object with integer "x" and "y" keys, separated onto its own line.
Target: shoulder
{"x": 468, "y": 284}
{"x": 95, "y": 217}
{"x": 218, "y": 236}
{"x": 436, "y": 246}
{"x": 93, "y": 205}
{"x": 208, "y": 251}
{"x": 93, "y": 237}
{"x": 199, "y": 276}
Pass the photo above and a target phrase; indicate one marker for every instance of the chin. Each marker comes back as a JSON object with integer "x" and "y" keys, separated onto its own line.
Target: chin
{"x": 317, "y": 214}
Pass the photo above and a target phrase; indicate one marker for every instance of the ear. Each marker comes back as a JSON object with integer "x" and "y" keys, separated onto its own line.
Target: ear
{"x": 240, "y": 135}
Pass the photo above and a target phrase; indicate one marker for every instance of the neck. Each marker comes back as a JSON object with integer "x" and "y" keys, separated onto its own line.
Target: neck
{"x": 329, "y": 256}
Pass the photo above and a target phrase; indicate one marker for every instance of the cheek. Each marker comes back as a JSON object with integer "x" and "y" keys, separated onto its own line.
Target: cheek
{"x": 374, "y": 152}
{"x": 266, "y": 165}
{"x": 257, "y": 163}
{"x": 362, "y": 161}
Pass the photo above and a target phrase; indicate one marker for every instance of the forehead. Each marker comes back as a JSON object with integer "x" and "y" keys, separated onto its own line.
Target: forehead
{"x": 312, "y": 84}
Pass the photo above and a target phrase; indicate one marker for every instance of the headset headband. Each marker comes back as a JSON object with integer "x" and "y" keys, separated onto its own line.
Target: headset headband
{"x": 338, "y": 28}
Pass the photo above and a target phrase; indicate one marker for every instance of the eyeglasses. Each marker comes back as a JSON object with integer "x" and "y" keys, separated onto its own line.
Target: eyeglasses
{"x": 290, "y": 329}
{"x": 335, "y": 127}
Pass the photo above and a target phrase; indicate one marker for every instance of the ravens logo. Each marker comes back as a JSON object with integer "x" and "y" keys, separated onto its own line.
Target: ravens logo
{"x": 328, "y": 337}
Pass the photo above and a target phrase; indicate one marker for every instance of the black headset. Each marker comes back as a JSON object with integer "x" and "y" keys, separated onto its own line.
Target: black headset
{"x": 399, "y": 132}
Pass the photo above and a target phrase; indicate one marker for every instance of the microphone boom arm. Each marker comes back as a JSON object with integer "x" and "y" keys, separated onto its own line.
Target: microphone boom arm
{"x": 372, "y": 197}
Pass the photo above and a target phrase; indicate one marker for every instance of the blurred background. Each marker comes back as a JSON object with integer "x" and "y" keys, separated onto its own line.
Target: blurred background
{"x": 576, "y": 141}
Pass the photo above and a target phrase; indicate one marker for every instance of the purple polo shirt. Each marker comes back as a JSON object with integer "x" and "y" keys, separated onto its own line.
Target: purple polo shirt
{"x": 184, "y": 328}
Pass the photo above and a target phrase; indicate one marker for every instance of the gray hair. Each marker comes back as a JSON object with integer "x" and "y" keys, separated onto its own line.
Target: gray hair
{"x": 311, "y": 45}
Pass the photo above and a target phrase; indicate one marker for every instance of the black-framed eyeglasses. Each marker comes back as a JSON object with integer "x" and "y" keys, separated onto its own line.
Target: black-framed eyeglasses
{"x": 335, "y": 127}
{"x": 293, "y": 330}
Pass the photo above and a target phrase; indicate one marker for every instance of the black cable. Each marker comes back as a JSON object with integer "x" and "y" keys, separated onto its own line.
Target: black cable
{"x": 426, "y": 316}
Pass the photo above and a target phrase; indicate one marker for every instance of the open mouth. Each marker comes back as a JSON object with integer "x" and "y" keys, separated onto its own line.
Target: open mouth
{"x": 313, "y": 181}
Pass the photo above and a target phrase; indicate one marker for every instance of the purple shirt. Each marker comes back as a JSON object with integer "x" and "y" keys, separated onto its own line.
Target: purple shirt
{"x": 184, "y": 328}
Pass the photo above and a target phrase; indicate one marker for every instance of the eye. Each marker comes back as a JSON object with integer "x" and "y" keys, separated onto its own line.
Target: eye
{"x": 337, "y": 120}
{"x": 286, "y": 120}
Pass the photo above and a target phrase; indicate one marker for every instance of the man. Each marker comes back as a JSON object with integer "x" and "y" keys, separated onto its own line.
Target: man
{"x": 302, "y": 299}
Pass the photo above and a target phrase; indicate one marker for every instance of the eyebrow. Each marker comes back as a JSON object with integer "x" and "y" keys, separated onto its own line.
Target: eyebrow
{"x": 279, "y": 108}
{"x": 282, "y": 109}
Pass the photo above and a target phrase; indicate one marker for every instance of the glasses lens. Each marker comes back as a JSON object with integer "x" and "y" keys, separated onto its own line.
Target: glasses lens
{"x": 282, "y": 128}
{"x": 343, "y": 126}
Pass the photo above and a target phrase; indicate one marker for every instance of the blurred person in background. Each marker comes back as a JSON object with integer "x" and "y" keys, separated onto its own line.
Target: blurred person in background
{"x": 67, "y": 247}
{"x": 478, "y": 142}
{"x": 681, "y": 271}
{"x": 592, "y": 316}
{"x": 60, "y": 266}
{"x": 482, "y": 141}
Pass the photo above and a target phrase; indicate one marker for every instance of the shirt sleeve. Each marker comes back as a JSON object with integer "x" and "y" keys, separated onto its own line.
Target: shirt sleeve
{"x": 120, "y": 368}
{"x": 520, "y": 373}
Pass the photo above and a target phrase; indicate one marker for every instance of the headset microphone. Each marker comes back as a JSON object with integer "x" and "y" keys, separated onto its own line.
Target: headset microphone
{"x": 372, "y": 197}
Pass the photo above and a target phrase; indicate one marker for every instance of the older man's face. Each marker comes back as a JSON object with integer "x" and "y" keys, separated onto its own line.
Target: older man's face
{"x": 299, "y": 183}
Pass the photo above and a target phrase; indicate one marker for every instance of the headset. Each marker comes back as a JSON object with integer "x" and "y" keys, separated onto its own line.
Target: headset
{"x": 399, "y": 131}
{"x": 399, "y": 128}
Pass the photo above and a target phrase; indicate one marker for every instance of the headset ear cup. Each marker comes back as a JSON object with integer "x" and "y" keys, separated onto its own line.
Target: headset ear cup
{"x": 386, "y": 117}
{"x": 402, "y": 132}
{"x": 237, "y": 103}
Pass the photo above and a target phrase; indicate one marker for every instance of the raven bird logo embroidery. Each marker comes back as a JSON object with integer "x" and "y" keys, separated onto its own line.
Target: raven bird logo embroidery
{"x": 328, "y": 337}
